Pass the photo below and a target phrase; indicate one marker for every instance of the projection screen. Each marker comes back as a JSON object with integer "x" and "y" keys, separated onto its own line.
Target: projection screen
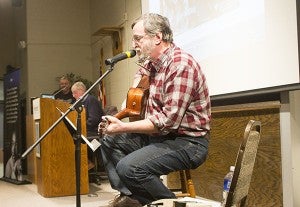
{"x": 242, "y": 45}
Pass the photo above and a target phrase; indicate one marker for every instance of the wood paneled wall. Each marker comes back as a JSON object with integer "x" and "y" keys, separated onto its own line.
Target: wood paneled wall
{"x": 228, "y": 126}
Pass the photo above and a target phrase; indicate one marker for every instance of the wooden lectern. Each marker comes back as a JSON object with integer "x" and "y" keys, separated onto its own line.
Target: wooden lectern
{"x": 55, "y": 154}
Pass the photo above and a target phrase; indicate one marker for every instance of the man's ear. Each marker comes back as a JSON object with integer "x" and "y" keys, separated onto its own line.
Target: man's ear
{"x": 158, "y": 39}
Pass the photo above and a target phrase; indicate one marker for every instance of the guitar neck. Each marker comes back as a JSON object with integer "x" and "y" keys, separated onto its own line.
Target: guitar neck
{"x": 127, "y": 113}
{"x": 121, "y": 114}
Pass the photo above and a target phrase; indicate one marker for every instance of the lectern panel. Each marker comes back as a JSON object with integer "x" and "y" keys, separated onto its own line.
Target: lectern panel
{"x": 55, "y": 172}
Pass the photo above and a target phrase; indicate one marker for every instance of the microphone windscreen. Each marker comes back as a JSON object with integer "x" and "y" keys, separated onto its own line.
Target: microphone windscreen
{"x": 130, "y": 53}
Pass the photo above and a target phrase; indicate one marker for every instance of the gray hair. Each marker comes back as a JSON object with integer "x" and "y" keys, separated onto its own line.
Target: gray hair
{"x": 79, "y": 85}
{"x": 154, "y": 24}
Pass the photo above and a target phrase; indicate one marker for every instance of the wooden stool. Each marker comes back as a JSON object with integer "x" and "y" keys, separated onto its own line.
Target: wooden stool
{"x": 187, "y": 185}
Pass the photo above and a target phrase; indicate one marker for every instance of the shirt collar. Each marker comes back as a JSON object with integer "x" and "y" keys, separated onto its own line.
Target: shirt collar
{"x": 162, "y": 60}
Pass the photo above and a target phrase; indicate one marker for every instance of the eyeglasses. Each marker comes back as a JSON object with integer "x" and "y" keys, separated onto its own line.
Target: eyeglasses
{"x": 138, "y": 38}
{"x": 154, "y": 204}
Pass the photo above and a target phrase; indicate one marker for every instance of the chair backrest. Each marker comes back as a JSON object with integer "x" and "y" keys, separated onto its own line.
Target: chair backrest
{"x": 244, "y": 165}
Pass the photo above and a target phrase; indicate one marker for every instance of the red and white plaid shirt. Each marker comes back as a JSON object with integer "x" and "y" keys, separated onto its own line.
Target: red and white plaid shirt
{"x": 178, "y": 100}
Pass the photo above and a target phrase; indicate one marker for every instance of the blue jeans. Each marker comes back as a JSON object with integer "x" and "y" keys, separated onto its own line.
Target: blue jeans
{"x": 134, "y": 162}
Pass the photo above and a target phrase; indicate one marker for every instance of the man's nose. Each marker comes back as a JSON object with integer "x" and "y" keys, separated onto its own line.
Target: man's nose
{"x": 134, "y": 44}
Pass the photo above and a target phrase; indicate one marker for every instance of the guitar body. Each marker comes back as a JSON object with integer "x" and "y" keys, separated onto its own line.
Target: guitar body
{"x": 135, "y": 104}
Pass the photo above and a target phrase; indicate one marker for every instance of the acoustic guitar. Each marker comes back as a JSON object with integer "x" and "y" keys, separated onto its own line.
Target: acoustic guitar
{"x": 135, "y": 104}
{"x": 136, "y": 101}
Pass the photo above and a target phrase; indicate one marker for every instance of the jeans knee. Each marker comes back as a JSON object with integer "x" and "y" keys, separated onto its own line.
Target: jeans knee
{"x": 124, "y": 170}
{"x": 131, "y": 173}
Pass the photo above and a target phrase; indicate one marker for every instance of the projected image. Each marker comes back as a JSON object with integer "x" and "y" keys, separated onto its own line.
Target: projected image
{"x": 225, "y": 31}
{"x": 188, "y": 14}
{"x": 236, "y": 38}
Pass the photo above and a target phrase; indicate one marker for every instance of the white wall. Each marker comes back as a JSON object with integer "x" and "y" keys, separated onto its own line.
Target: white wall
{"x": 295, "y": 144}
{"x": 11, "y": 32}
{"x": 8, "y": 46}
{"x": 58, "y": 42}
{"x": 113, "y": 14}
{"x": 290, "y": 145}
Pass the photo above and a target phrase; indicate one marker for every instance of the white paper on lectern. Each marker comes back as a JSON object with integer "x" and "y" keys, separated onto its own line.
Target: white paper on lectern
{"x": 36, "y": 109}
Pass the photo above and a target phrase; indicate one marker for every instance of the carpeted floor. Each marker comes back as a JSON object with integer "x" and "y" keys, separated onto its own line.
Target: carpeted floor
{"x": 12, "y": 195}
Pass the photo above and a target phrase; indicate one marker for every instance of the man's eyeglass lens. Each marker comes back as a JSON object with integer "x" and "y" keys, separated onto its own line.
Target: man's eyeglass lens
{"x": 137, "y": 38}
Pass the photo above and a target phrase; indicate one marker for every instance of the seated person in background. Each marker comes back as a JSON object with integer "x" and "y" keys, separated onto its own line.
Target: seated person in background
{"x": 94, "y": 112}
{"x": 64, "y": 92}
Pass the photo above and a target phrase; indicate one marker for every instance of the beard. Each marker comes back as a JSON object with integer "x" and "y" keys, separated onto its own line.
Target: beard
{"x": 144, "y": 52}
{"x": 143, "y": 58}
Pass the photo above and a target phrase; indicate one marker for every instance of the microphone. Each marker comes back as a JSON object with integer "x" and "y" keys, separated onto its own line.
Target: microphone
{"x": 119, "y": 57}
{"x": 57, "y": 92}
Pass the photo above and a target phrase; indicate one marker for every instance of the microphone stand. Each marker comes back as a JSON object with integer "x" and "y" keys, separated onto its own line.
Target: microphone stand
{"x": 78, "y": 107}
{"x": 77, "y": 139}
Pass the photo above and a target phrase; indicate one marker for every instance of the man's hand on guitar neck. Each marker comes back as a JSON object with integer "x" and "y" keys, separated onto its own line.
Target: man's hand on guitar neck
{"x": 111, "y": 125}
{"x": 102, "y": 127}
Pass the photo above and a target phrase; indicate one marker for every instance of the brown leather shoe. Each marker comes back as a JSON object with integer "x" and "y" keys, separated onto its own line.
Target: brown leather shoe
{"x": 125, "y": 201}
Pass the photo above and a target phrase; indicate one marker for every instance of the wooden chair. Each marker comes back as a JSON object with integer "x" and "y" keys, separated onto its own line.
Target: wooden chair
{"x": 244, "y": 165}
